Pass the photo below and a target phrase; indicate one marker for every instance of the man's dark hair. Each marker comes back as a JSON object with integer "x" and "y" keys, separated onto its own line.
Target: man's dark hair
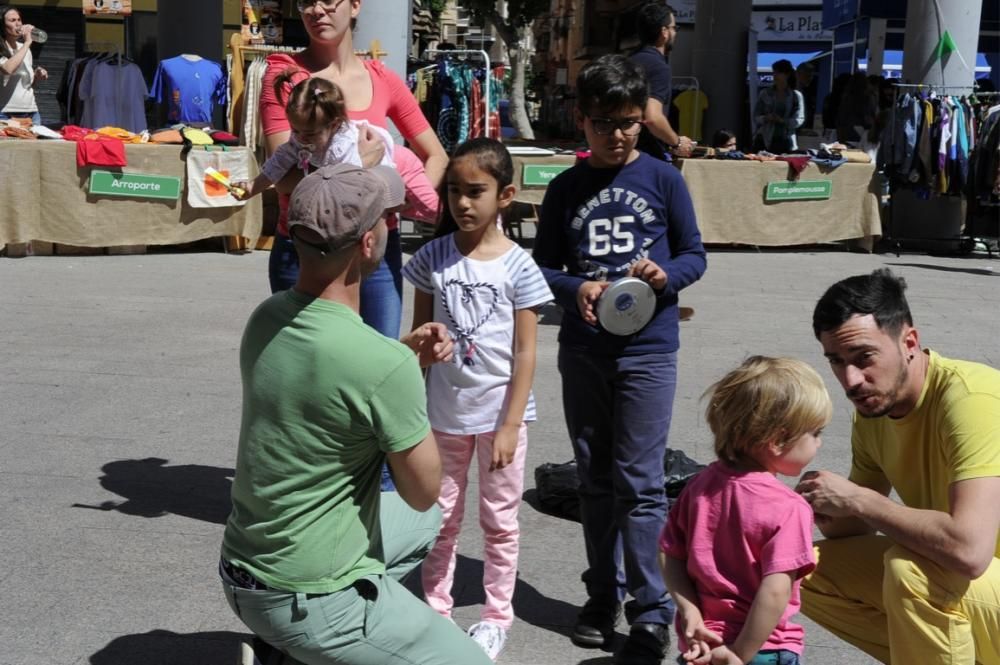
{"x": 879, "y": 294}
{"x": 650, "y": 18}
{"x": 610, "y": 83}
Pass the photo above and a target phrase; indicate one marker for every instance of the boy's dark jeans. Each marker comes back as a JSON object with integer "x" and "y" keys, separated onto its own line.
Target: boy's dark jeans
{"x": 618, "y": 412}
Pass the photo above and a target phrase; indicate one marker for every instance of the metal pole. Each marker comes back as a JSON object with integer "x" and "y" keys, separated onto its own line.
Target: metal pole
{"x": 926, "y": 23}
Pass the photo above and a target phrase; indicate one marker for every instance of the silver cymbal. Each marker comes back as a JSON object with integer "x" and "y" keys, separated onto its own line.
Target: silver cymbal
{"x": 626, "y": 306}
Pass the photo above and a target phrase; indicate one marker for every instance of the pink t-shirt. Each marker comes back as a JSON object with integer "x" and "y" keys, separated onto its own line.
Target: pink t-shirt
{"x": 734, "y": 528}
{"x": 390, "y": 99}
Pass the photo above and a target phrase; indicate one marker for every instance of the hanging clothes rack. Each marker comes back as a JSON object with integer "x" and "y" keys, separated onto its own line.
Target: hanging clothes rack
{"x": 983, "y": 212}
{"x": 486, "y": 88}
{"x": 888, "y": 165}
{"x": 933, "y": 86}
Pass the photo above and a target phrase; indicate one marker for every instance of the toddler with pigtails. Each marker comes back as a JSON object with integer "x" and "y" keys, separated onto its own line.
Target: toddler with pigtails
{"x": 322, "y": 135}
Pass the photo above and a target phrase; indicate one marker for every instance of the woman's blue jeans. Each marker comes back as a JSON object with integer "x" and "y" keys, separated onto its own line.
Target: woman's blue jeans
{"x": 36, "y": 117}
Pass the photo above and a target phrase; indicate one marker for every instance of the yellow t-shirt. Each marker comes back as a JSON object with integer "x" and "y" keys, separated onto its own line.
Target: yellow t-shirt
{"x": 691, "y": 105}
{"x": 952, "y": 434}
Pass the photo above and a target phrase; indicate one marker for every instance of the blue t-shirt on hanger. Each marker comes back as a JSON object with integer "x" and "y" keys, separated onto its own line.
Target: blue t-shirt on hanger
{"x": 190, "y": 86}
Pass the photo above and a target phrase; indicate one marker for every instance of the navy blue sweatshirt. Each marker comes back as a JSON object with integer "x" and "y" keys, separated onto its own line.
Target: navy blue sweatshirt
{"x": 596, "y": 223}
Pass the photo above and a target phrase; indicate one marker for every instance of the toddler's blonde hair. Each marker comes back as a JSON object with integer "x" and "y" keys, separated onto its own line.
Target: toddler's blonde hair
{"x": 763, "y": 401}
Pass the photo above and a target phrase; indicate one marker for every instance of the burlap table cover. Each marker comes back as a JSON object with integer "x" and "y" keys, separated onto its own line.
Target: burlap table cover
{"x": 729, "y": 202}
{"x": 45, "y": 197}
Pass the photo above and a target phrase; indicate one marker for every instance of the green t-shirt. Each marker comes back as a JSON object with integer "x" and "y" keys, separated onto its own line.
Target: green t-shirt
{"x": 324, "y": 398}
{"x": 952, "y": 434}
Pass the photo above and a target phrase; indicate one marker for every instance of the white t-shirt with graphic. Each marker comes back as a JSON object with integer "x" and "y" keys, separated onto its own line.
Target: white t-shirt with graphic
{"x": 477, "y": 300}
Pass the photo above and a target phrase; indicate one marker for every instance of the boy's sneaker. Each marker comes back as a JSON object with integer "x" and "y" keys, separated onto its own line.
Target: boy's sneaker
{"x": 490, "y": 637}
{"x": 595, "y": 625}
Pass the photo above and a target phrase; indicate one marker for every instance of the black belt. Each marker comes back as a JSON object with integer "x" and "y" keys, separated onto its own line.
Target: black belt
{"x": 244, "y": 579}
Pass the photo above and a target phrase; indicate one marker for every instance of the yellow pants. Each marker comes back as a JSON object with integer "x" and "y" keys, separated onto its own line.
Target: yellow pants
{"x": 902, "y": 608}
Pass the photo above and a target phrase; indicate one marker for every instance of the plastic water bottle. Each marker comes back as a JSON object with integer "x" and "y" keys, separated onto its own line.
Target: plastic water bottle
{"x": 39, "y": 36}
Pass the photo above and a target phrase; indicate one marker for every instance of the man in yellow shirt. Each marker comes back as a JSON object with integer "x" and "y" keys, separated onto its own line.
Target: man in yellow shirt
{"x": 916, "y": 581}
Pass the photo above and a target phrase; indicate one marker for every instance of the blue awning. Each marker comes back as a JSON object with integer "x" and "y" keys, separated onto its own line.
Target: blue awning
{"x": 765, "y": 60}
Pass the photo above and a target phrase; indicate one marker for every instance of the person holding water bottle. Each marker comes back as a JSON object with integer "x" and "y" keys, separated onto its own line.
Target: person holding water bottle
{"x": 18, "y": 75}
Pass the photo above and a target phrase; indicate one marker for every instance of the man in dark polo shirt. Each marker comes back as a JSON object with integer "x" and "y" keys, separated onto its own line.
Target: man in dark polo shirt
{"x": 656, "y": 26}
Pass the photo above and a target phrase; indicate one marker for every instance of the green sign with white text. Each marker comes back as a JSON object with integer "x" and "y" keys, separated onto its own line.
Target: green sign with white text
{"x": 798, "y": 190}
{"x": 135, "y": 185}
{"x": 540, "y": 175}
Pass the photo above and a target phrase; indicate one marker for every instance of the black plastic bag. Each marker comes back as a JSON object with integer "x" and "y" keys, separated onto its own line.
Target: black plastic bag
{"x": 557, "y": 485}
{"x": 678, "y": 469}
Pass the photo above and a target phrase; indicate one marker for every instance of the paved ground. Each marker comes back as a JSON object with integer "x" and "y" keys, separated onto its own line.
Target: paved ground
{"x": 119, "y": 405}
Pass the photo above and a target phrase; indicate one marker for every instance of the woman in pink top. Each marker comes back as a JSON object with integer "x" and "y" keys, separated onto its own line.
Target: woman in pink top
{"x": 738, "y": 541}
{"x": 373, "y": 93}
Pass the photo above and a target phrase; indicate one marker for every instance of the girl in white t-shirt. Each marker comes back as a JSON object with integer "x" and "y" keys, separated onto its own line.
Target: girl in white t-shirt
{"x": 487, "y": 290}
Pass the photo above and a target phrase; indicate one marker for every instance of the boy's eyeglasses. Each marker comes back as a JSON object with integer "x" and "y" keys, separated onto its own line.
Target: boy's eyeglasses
{"x": 328, "y": 5}
{"x": 605, "y": 126}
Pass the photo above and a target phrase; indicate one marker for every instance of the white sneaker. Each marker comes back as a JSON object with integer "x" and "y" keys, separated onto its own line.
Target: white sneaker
{"x": 259, "y": 652}
{"x": 490, "y": 637}
{"x": 247, "y": 656}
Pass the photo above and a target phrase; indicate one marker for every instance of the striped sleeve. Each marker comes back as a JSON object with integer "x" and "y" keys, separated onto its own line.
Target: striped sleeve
{"x": 419, "y": 269}
{"x": 530, "y": 287}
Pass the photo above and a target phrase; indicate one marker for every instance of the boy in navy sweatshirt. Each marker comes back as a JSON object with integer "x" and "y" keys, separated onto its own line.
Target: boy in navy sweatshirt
{"x": 619, "y": 213}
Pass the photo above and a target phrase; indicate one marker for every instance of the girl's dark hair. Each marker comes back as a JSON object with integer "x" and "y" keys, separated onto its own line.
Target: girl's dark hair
{"x": 722, "y": 137}
{"x": 610, "y": 83}
{"x": 311, "y": 98}
{"x": 492, "y": 157}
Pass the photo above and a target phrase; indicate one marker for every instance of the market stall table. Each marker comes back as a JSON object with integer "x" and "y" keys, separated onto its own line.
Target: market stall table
{"x": 729, "y": 200}
{"x": 46, "y": 198}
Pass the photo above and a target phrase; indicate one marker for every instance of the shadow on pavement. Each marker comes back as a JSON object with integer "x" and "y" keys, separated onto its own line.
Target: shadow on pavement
{"x": 530, "y": 605}
{"x": 153, "y": 488}
{"x": 164, "y": 647}
{"x": 599, "y": 660}
{"x": 969, "y": 271}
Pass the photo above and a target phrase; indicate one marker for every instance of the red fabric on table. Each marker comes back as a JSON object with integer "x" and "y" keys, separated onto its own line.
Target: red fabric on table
{"x": 100, "y": 152}
{"x": 796, "y": 165}
{"x": 75, "y": 132}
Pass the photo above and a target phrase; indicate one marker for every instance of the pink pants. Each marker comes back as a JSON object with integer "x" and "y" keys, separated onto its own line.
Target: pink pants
{"x": 499, "y": 500}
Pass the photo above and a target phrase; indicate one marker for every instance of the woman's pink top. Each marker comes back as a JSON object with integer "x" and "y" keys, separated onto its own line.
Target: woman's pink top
{"x": 390, "y": 99}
